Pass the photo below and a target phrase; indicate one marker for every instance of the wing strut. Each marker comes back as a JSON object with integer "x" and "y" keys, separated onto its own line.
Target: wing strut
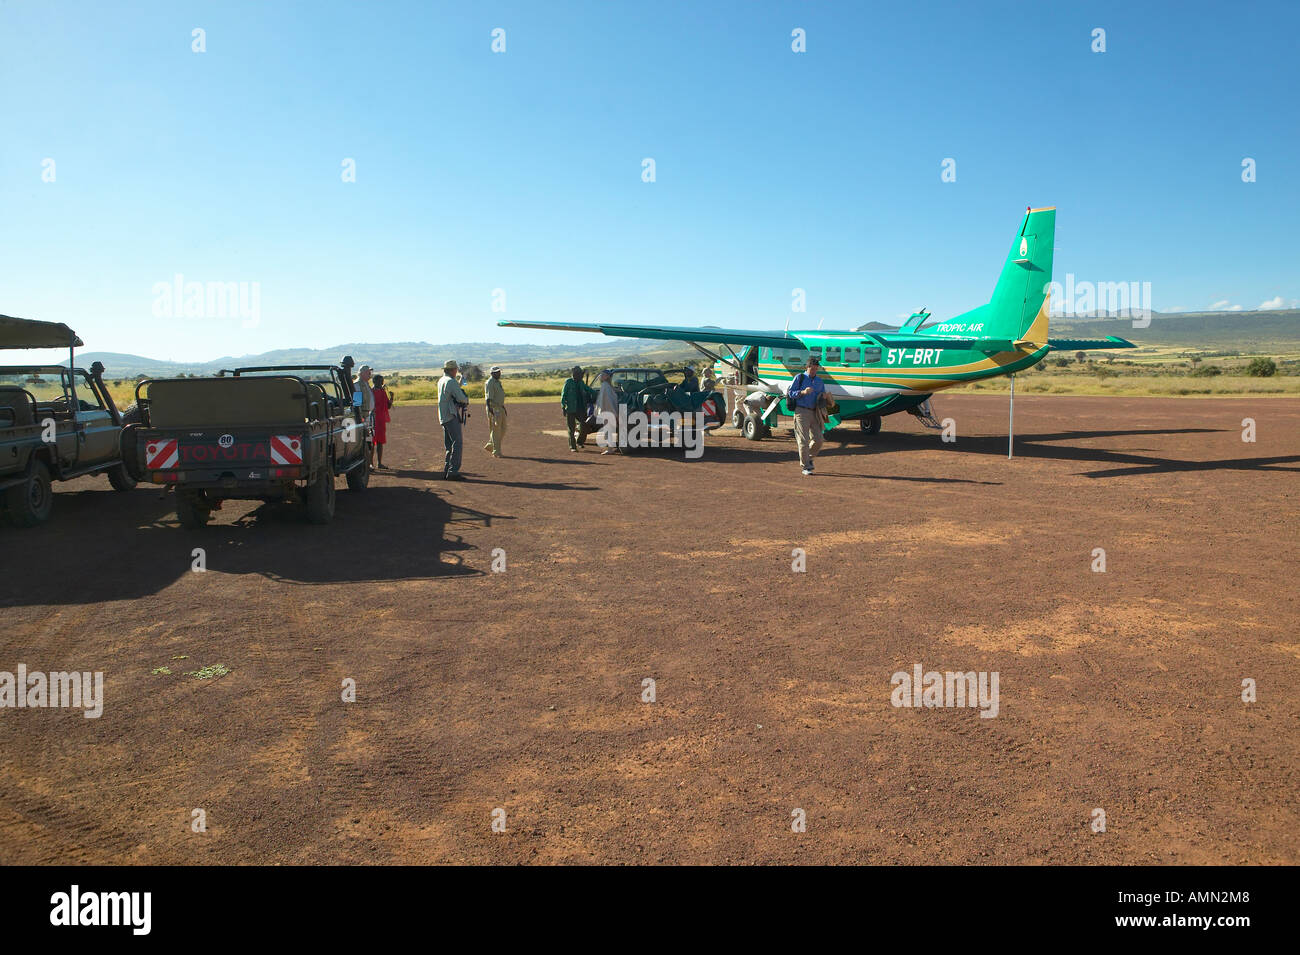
{"x": 734, "y": 364}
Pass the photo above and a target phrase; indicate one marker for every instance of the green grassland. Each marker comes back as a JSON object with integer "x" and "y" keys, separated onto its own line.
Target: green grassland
{"x": 1177, "y": 355}
{"x": 1156, "y": 370}
{"x": 1156, "y": 373}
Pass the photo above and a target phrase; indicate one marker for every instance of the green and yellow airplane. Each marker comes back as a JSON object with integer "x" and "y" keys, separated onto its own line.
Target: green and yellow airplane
{"x": 869, "y": 374}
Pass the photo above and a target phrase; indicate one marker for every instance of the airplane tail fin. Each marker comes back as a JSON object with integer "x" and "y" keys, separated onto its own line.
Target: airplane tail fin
{"x": 1018, "y": 308}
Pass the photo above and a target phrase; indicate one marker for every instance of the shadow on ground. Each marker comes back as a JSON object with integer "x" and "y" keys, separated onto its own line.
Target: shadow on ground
{"x": 383, "y": 534}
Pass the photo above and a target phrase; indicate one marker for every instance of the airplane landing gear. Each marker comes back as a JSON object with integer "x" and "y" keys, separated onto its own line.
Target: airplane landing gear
{"x": 754, "y": 429}
{"x": 870, "y": 424}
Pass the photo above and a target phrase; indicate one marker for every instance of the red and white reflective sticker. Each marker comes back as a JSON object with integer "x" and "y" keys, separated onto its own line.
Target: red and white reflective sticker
{"x": 161, "y": 454}
{"x": 709, "y": 408}
{"x": 286, "y": 449}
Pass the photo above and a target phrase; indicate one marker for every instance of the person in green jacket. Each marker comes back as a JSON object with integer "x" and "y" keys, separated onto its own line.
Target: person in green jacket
{"x": 573, "y": 401}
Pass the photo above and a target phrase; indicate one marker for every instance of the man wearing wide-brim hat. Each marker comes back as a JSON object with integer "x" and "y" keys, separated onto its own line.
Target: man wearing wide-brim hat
{"x": 494, "y": 396}
{"x": 453, "y": 407}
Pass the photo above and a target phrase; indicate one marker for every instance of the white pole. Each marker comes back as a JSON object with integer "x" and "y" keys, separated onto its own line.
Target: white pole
{"x": 1011, "y": 418}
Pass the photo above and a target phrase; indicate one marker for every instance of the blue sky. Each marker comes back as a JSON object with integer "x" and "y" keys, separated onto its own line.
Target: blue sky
{"x": 522, "y": 170}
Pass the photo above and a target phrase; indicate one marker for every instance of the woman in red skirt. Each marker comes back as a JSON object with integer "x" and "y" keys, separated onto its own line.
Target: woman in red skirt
{"x": 383, "y": 405}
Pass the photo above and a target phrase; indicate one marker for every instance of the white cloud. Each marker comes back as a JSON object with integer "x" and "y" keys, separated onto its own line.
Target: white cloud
{"x": 1234, "y": 308}
{"x": 1222, "y": 304}
{"x": 1274, "y": 302}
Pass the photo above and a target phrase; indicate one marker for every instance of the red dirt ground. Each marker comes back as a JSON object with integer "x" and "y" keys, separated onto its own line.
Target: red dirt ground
{"x": 522, "y": 690}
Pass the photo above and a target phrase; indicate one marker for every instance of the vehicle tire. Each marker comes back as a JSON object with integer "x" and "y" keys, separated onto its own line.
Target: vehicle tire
{"x": 30, "y": 503}
{"x": 192, "y": 511}
{"x": 128, "y": 446}
{"x": 753, "y": 428}
{"x": 120, "y": 478}
{"x": 737, "y": 418}
{"x": 870, "y": 424}
{"x": 359, "y": 477}
{"x": 320, "y": 496}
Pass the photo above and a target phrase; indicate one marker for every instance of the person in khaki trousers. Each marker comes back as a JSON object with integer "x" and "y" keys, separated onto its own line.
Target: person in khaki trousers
{"x": 494, "y": 394}
{"x": 807, "y": 394}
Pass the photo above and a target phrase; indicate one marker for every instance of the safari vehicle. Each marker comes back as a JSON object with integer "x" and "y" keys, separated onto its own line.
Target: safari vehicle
{"x": 650, "y": 391}
{"x": 272, "y": 433}
{"x": 56, "y": 423}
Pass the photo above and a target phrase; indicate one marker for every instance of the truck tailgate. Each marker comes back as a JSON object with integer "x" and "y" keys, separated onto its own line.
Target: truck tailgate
{"x": 223, "y": 456}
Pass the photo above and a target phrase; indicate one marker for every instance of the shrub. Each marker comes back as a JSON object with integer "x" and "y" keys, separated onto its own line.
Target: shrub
{"x": 1261, "y": 368}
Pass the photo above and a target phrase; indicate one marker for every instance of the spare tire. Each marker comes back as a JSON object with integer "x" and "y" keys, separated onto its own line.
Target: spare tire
{"x": 128, "y": 443}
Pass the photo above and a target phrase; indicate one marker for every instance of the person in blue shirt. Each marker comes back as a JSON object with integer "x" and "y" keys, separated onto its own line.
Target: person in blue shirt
{"x": 807, "y": 393}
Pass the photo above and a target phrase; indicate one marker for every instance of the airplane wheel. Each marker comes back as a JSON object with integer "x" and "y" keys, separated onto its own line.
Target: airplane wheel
{"x": 753, "y": 428}
{"x": 870, "y": 424}
{"x": 737, "y": 418}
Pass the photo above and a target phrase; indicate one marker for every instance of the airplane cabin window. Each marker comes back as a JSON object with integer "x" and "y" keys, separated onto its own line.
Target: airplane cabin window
{"x": 870, "y": 356}
{"x": 852, "y": 356}
{"x": 832, "y": 355}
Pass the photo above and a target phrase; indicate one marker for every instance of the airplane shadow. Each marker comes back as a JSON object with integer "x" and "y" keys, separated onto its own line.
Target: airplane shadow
{"x": 471, "y": 478}
{"x": 1041, "y": 446}
{"x": 900, "y": 477}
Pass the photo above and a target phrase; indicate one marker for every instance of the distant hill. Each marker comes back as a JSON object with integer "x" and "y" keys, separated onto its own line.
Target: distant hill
{"x": 1244, "y": 331}
{"x": 408, "y": 356}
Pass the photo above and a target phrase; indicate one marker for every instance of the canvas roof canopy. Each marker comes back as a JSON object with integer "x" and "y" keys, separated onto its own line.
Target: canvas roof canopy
{"x": 26, "y": 333}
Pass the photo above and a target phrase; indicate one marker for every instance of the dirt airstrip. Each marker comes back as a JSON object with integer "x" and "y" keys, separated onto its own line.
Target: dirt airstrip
{"x": 523, "y": 690}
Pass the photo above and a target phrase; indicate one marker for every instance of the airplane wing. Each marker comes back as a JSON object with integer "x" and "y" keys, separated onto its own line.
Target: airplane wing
{"x": 1089, "y": 344}
{"x": 717, "y": 336}
{"x": 780, "y": 339}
